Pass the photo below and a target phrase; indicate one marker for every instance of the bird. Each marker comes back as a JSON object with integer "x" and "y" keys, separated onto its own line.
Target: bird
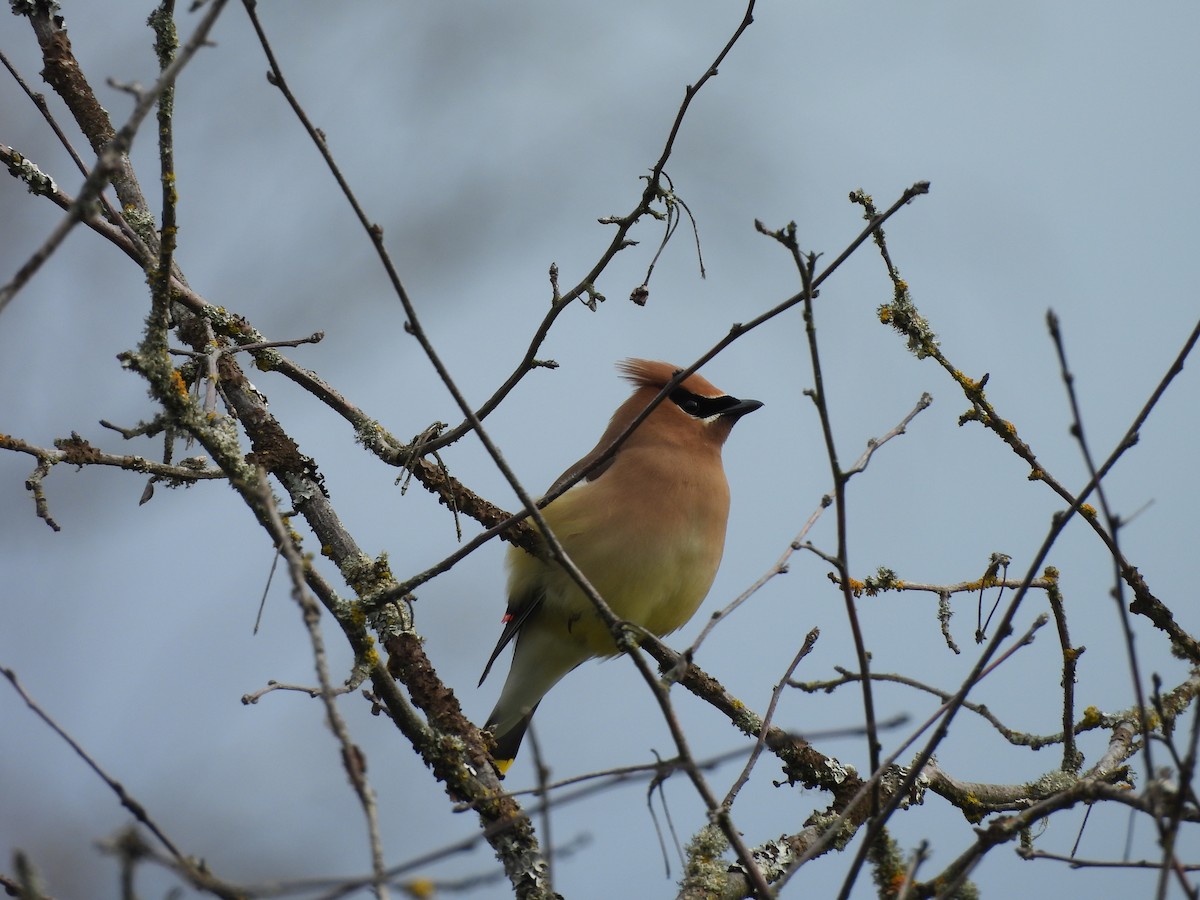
{"x": 645, "y": 526}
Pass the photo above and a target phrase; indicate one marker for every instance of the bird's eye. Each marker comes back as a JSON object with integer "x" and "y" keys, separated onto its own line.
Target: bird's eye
{"x": 694, "y": 405}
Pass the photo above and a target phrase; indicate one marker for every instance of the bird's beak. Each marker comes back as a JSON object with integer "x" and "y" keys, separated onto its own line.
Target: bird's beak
{"x": 739, "y": 409}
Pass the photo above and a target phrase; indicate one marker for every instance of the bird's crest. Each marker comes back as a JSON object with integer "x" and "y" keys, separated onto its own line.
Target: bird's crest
{"x": 654, "y": 374}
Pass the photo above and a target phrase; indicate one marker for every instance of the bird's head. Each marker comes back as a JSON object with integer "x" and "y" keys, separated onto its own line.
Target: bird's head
{"x": 694, "y": 407}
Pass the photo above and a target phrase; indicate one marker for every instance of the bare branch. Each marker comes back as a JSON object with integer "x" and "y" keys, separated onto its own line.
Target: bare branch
{"x": 112, "y": 153}
{"x": 126, "y": 799}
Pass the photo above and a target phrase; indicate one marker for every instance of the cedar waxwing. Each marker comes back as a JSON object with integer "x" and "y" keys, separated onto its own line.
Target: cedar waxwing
{"x": 647, "y": 529}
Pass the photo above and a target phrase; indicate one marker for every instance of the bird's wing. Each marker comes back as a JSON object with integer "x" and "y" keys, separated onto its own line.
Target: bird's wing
{"x": 519, "y": 611}
{"x": 521, "y": 608}
{"x": 582, "y": 464}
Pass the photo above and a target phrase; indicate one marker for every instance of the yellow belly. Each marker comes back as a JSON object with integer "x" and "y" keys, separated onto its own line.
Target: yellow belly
{"x": 654, "y": 578}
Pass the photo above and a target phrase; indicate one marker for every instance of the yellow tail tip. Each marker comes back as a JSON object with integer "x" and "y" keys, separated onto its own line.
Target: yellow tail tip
{"x": 502, "y": 766}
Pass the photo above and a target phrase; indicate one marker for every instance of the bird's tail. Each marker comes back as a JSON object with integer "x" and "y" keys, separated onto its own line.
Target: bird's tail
{"x": 506, "y": 745}
{"x": 542, "y": 656}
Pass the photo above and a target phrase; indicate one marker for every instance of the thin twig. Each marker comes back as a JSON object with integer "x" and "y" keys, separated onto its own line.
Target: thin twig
{"x": 1016, "y": 738}
{"x": 833, "y": 829}
{"x": 39, "y": 100}
{"x": 352, "y": 758}
{"x": 77, "y": 451}
{"x": 542, "y": 793}
{"x": 111, "y": 158}
{"x": 1077, "y": 431}
{"x": 805, "y": 267}
{"x": 781, "y": 564}
{"x": 135, "y": 808}
{"x": 806, "y": 648}
{"x": 618, "y": 242}
{"x": 1075, "y": 862}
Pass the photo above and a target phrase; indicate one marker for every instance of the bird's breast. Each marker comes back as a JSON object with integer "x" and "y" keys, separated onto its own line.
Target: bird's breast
{"x": 650, "y": 547}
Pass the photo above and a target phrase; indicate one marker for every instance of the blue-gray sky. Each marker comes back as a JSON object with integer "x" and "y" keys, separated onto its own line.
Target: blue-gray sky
{"x": 1060, "y": 143}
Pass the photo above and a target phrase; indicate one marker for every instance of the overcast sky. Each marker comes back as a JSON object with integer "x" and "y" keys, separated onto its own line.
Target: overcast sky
{"x": 1060, "y": 142}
